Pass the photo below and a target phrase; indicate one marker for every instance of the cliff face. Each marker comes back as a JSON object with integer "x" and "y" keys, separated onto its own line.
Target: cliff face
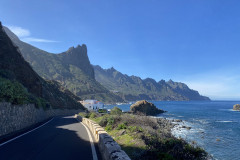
{"x": 78, "y": 57}
{"x": 134, "y": 88}
{"x": 72, "y": 69}
{"x": 13, "y": 67}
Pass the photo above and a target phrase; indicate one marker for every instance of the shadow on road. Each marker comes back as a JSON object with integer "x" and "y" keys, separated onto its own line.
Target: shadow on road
{"x": 63, "y": 138}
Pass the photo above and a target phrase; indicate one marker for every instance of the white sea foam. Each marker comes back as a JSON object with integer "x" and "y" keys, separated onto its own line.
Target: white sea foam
{"x": 225, "y": 121}
{"x": 180, "y": 116}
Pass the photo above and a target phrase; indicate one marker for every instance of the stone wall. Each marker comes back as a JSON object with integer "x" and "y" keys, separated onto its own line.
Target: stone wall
{"x": 109, "y": 148}
{"x": 17, "y": 117}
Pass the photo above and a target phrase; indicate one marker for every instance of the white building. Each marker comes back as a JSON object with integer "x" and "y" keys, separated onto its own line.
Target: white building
{"x": 92, "y": 105}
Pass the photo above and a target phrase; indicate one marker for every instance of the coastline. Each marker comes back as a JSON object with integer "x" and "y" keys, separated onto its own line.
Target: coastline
{"x": 146, "y": 137}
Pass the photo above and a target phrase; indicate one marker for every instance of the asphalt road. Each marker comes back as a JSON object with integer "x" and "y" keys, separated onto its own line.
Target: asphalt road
{"x": 63, "y": 138}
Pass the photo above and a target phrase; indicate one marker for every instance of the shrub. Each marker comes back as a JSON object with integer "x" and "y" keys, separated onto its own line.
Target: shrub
{"x": 92, "y": 115}
{"x": 13, "y": 92}
{"x": 83, "y": 114}
{"x": 102, "y": 111}
{"x": 165, "y": 156}
{"x": 110, "y": 120}
{"x": 135, "y": 129}
{"x": 122, "y": 126}
{"x": 116, "y": 111}
{"x": 108, "y": 128}
{"x": 194, "y": 151}
{"x": 103, "y": 122}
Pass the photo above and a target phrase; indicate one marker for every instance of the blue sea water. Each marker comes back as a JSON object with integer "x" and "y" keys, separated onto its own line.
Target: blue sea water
{"x": 215, "y": 126}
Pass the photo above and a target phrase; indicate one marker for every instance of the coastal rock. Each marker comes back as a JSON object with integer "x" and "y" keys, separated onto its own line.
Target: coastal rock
{"x": 236, "y": 107}
{"x": 145, "y": 108}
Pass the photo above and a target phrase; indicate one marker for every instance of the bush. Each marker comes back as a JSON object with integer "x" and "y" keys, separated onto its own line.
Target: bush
{"x": 195, "y": 151}
{"x": 92, "y": 115}
{"x": 110, "y": 120}
{"x": 108, "y": 128}
{"x": 135, "y": 129}
{"x": 83, "y": 114}
{"x": 103, "y": 122}
{"x": 13, "y": 92}
{"x": 122, "y": 126}
{"x": 116, "y": 111}
{"x": 102, "y": 111}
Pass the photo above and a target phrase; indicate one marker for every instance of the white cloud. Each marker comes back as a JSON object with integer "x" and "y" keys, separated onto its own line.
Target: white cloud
{"x": 24, "y": 35}
{"x": 31, "y": 39}
{"x": 19, "y": 31}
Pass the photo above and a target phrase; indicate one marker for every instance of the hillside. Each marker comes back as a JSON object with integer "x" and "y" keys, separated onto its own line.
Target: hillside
{"x": 19, "y": 83}
{"x": 132, "y": 88}
{"x": 72, "y": 69}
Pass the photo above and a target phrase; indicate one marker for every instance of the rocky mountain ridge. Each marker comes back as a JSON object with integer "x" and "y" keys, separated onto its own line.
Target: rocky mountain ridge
{"x": 132, "y": 88}
{"x": 73, "y": 70}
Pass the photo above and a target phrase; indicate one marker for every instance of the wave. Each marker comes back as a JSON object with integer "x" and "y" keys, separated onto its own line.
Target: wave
{"x": 228, "y": 110}
{"x": 225, "y": 121}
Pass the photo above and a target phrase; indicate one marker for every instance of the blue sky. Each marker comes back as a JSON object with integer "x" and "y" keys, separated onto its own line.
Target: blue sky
{"x": 192, "y": 41}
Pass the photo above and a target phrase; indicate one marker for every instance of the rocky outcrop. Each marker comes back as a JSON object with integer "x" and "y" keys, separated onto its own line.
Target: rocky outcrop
{"x": 145, "y": 108}
{"x": 78, "y": 57}
{"x": 236, "y": 107}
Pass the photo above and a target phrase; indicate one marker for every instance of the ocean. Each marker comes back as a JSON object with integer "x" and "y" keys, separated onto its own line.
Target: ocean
{"x": 214, "y": 125}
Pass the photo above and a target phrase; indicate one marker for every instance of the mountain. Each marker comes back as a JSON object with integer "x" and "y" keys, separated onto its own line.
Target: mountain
{"x": 132, "y": 88}
{"x": 72, "y": 69}
{"x": 19, "y": 83}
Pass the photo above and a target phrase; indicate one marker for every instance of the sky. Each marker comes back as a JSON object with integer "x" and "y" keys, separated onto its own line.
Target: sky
{"x": 190, "y": 41}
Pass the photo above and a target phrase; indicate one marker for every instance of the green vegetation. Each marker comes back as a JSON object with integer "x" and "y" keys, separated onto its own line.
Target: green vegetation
{"x": 143, "y": 137}
{"x": 102, "y": 111}
{"x": 15, "y": 93}
{"x": 116, "y": 111}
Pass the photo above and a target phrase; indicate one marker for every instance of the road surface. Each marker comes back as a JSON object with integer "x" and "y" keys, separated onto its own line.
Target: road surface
{"x": 63, "y": 138}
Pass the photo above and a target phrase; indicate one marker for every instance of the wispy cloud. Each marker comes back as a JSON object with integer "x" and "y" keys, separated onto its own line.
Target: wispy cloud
{"x": 25, "y": 35}
{"x": 19, "y": 31}
{"x": 31, "y": 39}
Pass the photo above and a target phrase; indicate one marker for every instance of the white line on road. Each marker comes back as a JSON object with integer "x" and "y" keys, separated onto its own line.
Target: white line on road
{"x": 25, "y": 133}
{"x": 94, "y": 154}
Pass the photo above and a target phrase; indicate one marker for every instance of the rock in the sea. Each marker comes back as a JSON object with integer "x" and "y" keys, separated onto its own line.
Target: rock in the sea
{"x": 236, "y": 107}
{"x": 145, "y": 108}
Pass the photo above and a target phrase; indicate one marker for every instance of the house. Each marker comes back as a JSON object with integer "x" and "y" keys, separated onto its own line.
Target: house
{"x": 92, "y": 105}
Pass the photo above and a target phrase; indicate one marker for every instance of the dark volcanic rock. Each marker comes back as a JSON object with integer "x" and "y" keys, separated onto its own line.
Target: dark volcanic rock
{"x": 236, "y": 107}
{"x": 145, "y": 108}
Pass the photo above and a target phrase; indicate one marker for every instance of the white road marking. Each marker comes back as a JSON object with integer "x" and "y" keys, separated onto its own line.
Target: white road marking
{"x": 94, "y": 154}
{"x": 25, "y": 133}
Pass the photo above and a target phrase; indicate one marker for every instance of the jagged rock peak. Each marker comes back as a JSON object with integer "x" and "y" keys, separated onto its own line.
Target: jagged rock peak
{"x": 112, "y": 69}
{"x": 170, "y": 81}
{"x": 78, "y": 49}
